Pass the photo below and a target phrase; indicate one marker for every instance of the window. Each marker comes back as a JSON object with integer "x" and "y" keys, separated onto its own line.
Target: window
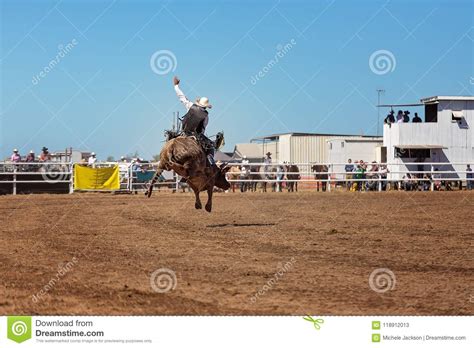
{"x": 412, "y": 153}
{"x": 457, "y": 116}
{"x": 431, "y": 112}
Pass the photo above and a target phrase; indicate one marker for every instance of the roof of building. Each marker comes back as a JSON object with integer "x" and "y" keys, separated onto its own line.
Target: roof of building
{"x": 358, "y": 139}
{"x": 297, "y": 134}
{"x": 222, "y": 156}
{"x": 248, "y": 149}
{"x": 437, "y": 98}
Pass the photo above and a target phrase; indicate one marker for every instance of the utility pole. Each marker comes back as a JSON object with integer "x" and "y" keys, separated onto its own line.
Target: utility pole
{"x": 379, "y": 92}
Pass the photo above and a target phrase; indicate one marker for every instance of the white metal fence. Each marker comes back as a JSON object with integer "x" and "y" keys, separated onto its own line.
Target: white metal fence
{"x": 25, "y": 176}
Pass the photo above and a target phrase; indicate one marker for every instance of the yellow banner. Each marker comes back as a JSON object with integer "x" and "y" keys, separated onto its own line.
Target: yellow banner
{"x": 86, "y": 178}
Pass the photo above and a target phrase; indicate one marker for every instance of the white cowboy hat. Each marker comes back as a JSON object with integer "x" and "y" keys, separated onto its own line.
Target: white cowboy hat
{"x": 93, "y": 154}
{"x": 15, "y": 150}
{"x": 204, "y": 102}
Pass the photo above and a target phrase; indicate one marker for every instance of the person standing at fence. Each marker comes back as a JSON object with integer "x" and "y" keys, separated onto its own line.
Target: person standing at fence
{"x": 416, "y": 119}
{"x": 30, "y": 157}
{"x": 349, "y": 168}
{"x": 92, "y": 159}
{"x": 267, "y": 162}
{"x": 45, "y": 155}
{"x": 469, "y": 178}
{"x": 383, "y": 171}
{"x": 15, "y": 157}
{"x": 280, "y": 174}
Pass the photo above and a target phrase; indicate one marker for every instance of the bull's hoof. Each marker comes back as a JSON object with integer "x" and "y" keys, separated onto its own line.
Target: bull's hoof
{"x": 208, "y": 208}
{"x": 198, "y": 205}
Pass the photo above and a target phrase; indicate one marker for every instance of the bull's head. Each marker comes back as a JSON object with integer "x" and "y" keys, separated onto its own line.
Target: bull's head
{"x": 219, "y": 177}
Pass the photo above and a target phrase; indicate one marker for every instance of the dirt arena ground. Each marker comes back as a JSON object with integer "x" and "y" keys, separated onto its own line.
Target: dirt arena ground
{"x": 273, "y": 254}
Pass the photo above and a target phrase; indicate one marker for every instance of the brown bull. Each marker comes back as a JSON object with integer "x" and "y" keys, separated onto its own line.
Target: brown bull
{"x": 186, "y": 157}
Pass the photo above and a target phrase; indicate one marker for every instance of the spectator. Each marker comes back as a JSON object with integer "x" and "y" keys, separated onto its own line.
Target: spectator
{"x": 360, "y": 175}
{"x": 416, "y": 119}
{"x": 469, "y": 178}
{"x": 407, "y": 182}
{"x": 45, "y": 155}
{"x": 92, "y": 159}
{"x": 136, "y": 165}
{"x": 400, "y": 116}
{"x": 437, "y": 180}
{"x": 30, "y": 157}
{"x": 280, "y": 175}
{"x": 268, "y": 158}
{"x": 426, "y": 182}
{"x": 371, "y": 184}
{"x": 15, "y": 157}
{"x": 406, "y": 118}
{"x": 245, "y": 162}
{"x": 383, "y": 175}
{"x": 349, "y": 168}
{"x": 390, "y": 118}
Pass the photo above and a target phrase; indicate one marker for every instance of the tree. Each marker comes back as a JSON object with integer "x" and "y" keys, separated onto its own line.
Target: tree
{"x": 156, "y": 158}
{"x": 110, "y": 159}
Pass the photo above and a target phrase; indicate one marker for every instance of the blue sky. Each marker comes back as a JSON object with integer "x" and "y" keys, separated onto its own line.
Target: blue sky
{"x": 103, "y": 95}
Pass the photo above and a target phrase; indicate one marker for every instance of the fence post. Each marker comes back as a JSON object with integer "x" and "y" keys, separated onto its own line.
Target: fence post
{"x": 432, "y": 181}
{"x": 14, "y": 179}
{"x": 71, "y": 178}
{"x": 329, "y": 178}
{"x": 129, "y": 178}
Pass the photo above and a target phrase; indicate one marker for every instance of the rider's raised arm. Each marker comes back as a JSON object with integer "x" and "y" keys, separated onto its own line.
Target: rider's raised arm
{"x": 182, "y": 97}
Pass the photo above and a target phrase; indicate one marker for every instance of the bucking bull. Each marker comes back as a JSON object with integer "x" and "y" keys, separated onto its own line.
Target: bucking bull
{"x": 187, "y": 158}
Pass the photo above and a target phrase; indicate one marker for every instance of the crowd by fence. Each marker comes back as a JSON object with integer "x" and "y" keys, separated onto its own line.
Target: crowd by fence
{"x": 244, "y": 177}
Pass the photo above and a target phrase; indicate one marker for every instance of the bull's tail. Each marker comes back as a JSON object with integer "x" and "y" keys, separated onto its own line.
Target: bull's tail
{"x": 153, "y": 182}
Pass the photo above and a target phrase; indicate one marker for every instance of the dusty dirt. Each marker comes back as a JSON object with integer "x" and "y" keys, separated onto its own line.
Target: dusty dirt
{"x": 273, "y": 253}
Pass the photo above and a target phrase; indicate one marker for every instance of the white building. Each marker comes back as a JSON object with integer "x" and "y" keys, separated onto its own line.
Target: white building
{"x": 303, "y": 147}
{"x": 445, "y": 136}
{"x": 340, "y": 150}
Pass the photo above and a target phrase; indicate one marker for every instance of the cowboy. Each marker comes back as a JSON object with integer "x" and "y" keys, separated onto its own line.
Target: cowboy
{"x": 92, "y": 159}
{"x": 15, "y": 157}
{"x": 268, "y": 158}
{"x": 30, "y": 157}
{"x": 196, "y": 119}
{"x": 45, "y": 155}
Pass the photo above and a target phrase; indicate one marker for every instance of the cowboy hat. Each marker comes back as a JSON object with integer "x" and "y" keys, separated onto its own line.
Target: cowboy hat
{"x": 268, "y": 153}
{"x": 204, "y": 102}
{"x": 44, "y": 148}
{"x": 15, "y": 150}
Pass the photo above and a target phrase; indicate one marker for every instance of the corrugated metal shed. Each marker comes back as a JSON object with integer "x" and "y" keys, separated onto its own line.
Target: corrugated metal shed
{"x": 303, "y": 147}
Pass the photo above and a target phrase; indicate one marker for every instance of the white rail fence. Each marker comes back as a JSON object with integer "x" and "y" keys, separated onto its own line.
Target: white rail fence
{"x": 134, "y": 176}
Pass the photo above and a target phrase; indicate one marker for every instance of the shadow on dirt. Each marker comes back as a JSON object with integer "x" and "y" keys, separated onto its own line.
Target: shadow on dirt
{"x": 239, "y": 225}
